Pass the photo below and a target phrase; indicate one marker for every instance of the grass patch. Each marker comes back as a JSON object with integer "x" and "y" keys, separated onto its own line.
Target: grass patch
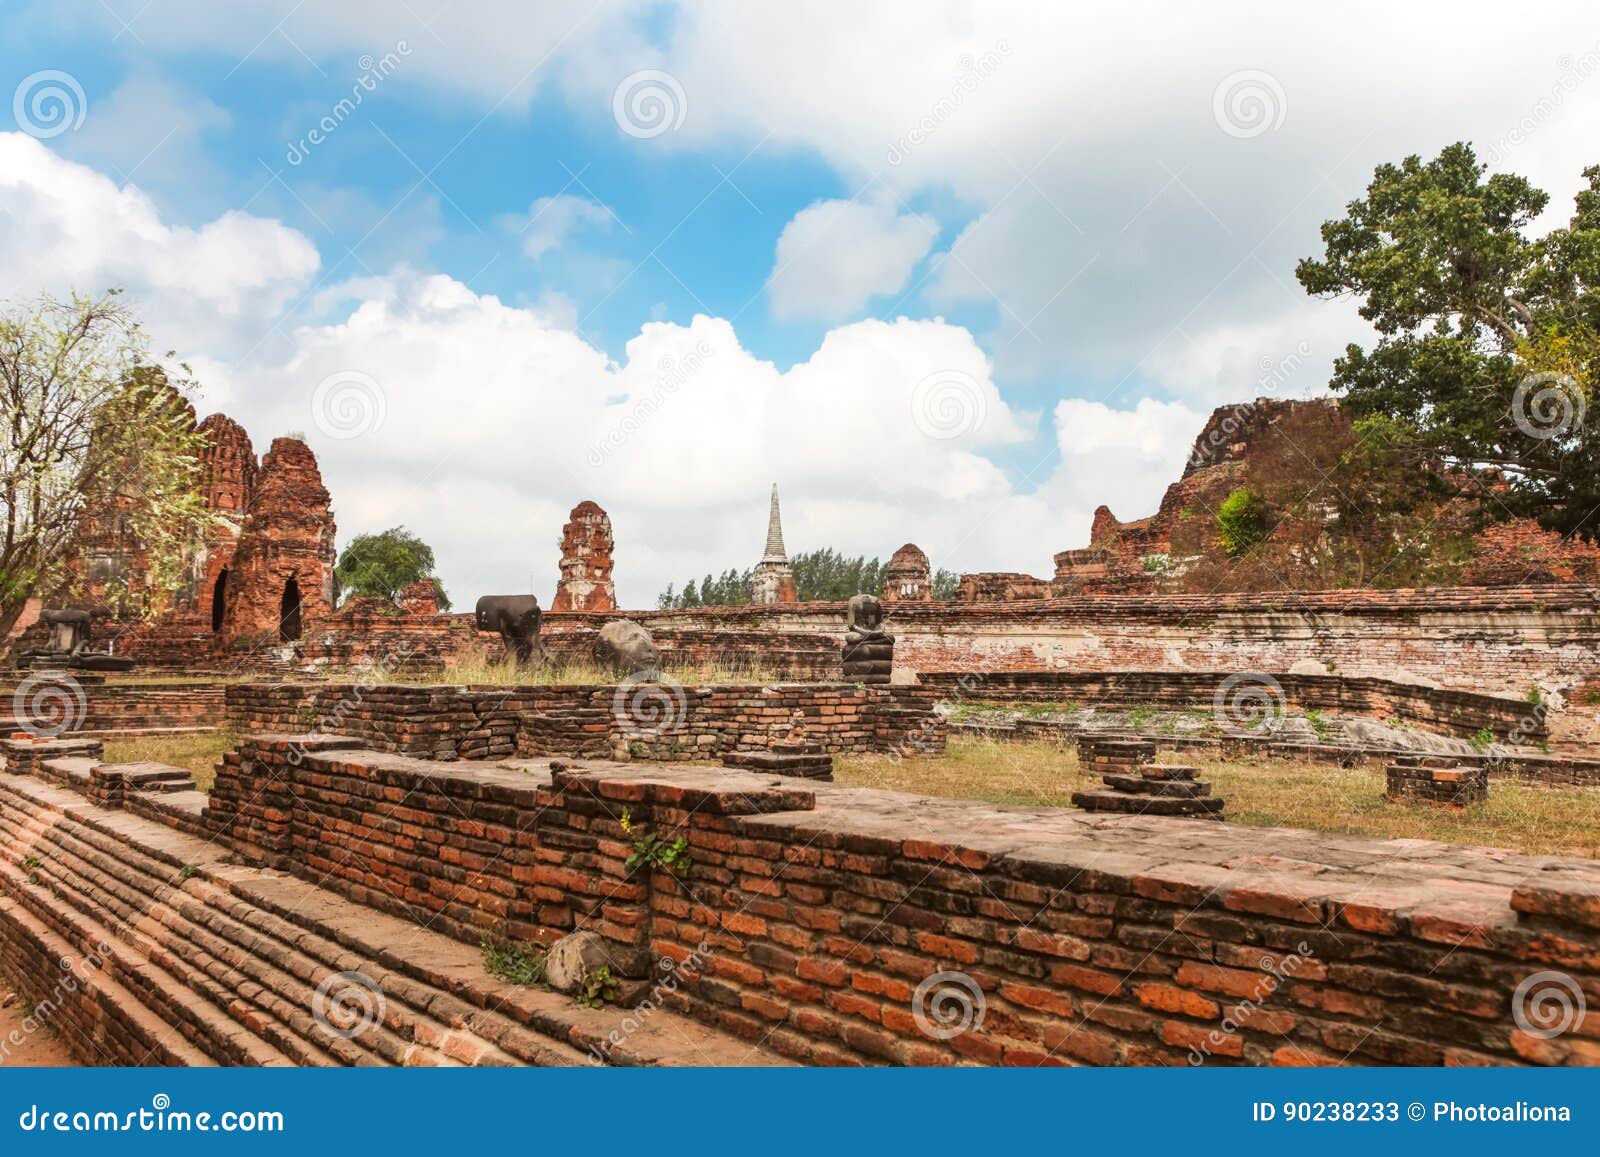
{"x": 195, "y": 753}
{"x": 513, "y": 963}
{"x": 1536, "y": 820}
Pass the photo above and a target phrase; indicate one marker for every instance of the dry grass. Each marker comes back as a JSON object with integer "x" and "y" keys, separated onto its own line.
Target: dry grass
{"x": 196, "y": 753}
{"x": 1537, "y": 820}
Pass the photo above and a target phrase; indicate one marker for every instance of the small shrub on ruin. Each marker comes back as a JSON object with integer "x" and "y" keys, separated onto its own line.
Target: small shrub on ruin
{"x": 521, "y": 964}
{"x": 597, "y": 987}
{"x": 650, "y": 849}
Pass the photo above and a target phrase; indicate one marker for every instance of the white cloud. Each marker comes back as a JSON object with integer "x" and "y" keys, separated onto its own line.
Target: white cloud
{"x": 210, "y": 290}
{"x": 550, "y": 221}
{"x": 835, "y": 256}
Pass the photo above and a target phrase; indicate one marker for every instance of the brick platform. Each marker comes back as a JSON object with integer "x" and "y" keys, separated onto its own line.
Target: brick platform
{"x": 815, "y": 911}
{"x": 1436, "y": 780}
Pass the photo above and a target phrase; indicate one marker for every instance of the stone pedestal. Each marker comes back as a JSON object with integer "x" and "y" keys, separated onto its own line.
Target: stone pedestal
{"x": 799, "y": 758}
{"x": 1100, "y": 753}
{"x": 1435, "y": 780}
{"x": 1153, "y": 789}
{"x": 869, "y": 659}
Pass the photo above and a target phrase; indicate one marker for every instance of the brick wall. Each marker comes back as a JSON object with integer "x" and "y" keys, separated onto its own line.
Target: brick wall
{"x": 658, "y": 721}
{"x": 1446, "y": 712}
{"x": 815, "y": 913}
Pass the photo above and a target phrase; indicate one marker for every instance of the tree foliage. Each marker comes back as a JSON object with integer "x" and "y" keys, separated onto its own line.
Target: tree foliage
{"x": 819, "y": 575}
{"x": 1489, "y": 338}
{"x": 384, "y": 564}
{"x": 1243, "y": 520}
{"x": 98, "y": 441}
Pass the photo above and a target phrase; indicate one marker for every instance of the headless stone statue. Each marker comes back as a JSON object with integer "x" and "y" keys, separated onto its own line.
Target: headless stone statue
{"x": 868, "y": 648}
{"x": 69, "y": 645}
{"x": 517, "y": 618}
{"x": 69, "y": 630}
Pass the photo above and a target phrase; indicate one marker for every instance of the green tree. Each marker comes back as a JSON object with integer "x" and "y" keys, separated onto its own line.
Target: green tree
{"x": 382, "y": 565}
{"x": 1487, "y": 341}
{"x": 828, "y": 576}
{"x": 1242, "y": 520}
{"x": 92, "y": 433}
{"x": 945, "y": 583}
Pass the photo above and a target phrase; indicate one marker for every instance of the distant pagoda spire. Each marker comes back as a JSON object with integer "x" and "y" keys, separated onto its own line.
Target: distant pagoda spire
{"x": 775, "y": 551}
{"x": 773, "y": 580}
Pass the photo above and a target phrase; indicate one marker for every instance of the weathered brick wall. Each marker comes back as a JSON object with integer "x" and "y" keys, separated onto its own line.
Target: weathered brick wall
{"x": 121, "y": 707}
{"x": 1446, "y": 712}
{"x": 658, "y": 721}
{"x": 815, "y": 913}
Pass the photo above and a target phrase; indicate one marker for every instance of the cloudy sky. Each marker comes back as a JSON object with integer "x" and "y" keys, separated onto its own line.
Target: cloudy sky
{"x": 952, "y": 273}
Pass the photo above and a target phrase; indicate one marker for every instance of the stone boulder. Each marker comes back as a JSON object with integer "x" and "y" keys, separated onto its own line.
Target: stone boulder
{"x": 1309, "y": 667}
{"x": 577, "y": 954}
{"x": 625, "y": 647}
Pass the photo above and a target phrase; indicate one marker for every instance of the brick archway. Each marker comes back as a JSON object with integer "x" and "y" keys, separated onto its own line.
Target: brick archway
{"x": 289, "y": 625}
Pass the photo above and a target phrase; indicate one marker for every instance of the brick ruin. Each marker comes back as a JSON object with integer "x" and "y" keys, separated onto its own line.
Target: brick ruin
{"x": 809, "y": 929}
{"x": 909, "y": 578}
{"x": 774, "y": 579}
{"x": 586, "y": 546}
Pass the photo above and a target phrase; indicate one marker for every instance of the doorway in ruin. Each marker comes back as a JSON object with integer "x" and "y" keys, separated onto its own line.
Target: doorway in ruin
{"x": 289, "y": 612}
{"x": 219, "y": 599}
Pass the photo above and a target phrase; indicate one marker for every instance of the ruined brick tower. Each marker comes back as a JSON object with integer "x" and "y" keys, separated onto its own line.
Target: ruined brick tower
{"x": 774, "y": 578}
{"x": 909, "y": 578}
{"x": 586, "y": 546}
{"x": 280, "y": 581}
{"x": 228, "y": 475}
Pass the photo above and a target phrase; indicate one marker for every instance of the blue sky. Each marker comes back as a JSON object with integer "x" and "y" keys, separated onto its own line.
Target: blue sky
{"x": 1087, "y": 221}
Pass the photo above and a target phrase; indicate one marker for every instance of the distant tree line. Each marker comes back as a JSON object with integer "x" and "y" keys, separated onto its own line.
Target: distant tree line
{"x": 820, "y": 576}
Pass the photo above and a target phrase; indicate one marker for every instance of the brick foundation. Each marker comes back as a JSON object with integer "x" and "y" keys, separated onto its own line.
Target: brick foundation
{"x": 813, "y": 913}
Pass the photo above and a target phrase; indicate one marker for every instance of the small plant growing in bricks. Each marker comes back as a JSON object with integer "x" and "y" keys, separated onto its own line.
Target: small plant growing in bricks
{"x": 1319, "y": 726}
{"x": 514, "y": 963}
{"x": 1482, "y": 738}
{"x": 31, "y": 862}
{"x": 651, "y": 849}
{"x": 597, "y": 987}
{"x": 189, "y": 871}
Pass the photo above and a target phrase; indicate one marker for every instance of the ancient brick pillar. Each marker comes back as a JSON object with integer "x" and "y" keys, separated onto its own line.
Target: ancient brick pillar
{"x": 586, "y": 546}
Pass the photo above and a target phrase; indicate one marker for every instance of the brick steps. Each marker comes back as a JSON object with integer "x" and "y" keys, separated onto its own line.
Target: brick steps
{"x": 226, "y": 958}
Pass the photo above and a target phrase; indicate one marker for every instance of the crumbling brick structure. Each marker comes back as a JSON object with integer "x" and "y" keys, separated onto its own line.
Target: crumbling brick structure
{"x": 281, "y": 579}
{"x": 909, "y": 578}
{"x": 586, "y": 546}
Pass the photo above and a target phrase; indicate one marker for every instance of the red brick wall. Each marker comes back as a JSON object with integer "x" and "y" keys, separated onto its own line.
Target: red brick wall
{"x": 815, "y": 913}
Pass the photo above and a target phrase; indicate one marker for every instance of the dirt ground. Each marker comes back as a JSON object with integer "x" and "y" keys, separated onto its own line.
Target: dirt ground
{"x": 19, "y": 1048}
